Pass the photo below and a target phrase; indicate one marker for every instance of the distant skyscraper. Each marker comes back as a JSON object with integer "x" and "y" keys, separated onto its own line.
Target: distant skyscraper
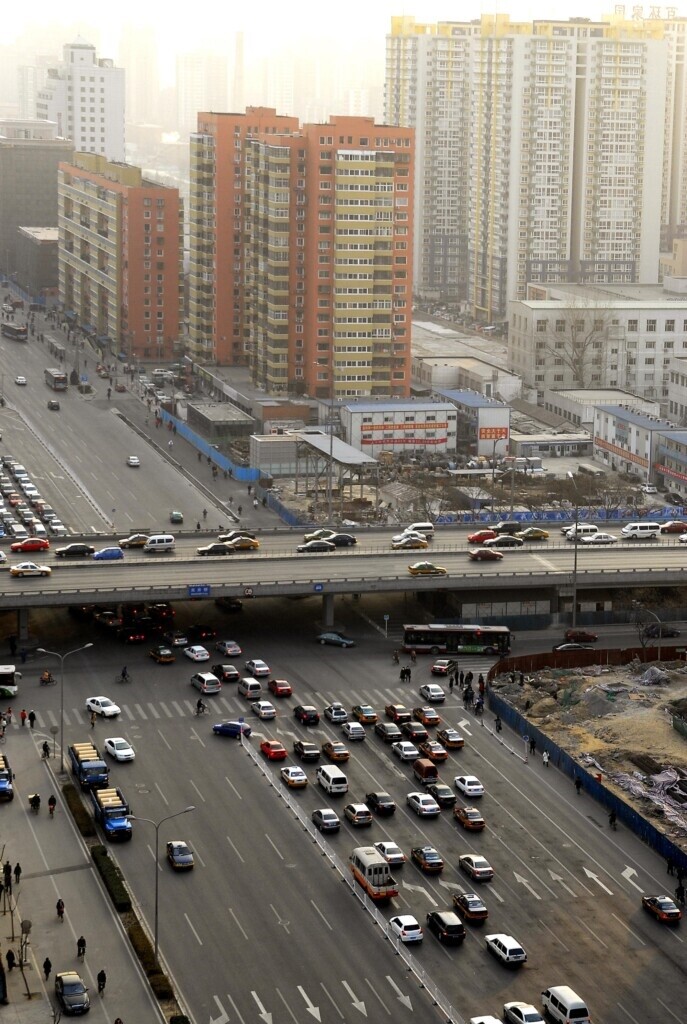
{"x": 31, "y": 78}
{"x": 202, "y": 84}
{"x": 84, "y": 95}
{"x": 238, "y": 81}
{"x": 138, "y": 57}
{"x": 544, "y": 152}
{"x": 300, "y": 244}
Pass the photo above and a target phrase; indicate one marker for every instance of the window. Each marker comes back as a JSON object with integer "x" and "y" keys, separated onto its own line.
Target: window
{"x": 541, "y": 327}
{"x": 633, "y": 325}
{"x": 651, "y": 326}
{"x": 670, "y": 326}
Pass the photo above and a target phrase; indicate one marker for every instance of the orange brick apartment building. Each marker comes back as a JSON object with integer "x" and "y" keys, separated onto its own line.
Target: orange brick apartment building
{"x": 301, "y": 243}
{"x": 120, "y": 256}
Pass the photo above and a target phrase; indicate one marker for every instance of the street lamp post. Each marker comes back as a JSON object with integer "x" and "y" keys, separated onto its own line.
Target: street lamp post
{"x": 576, "y": 541}
{"x": 156, "y": 826}
{"x": 638, "y": 606}
{"x": 62, "y": 658}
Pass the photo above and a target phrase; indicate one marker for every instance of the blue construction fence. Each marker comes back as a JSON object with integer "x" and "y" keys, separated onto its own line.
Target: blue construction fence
{"x": 592, "y": 783}
{"x": 564, "y": 515}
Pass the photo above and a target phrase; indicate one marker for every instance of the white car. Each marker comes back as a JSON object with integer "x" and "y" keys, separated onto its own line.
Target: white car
{"x": 353, "y": 730}
{"x": 263, "y": 709}
{"x": 522, "y": 1013}
{"x": 103, "y": 706}
{"x": 683, "y": 538}
{"x": 600, "y": 538}
{"x": 257, "y": 667}
{"x": 29, "y": 569}
{"x": 20, "y": 380}
{"x": 391, "y": 853}
{"x": 405, "y": 750}
{"x": 294, "y": 777}
{"x": 3, "y": 557}
{"x": 336, "y": 712}
{"x": 432, "y": 692}
{"x": 196, "y": 653}
{"x": 133, "y": 460}
{"x": 406, "y": 928}
{"x": 424, "y": 806}
{"x": 228, "y": 647}
{"x": 649, "y": 489}
{"x": 409, "y": 542}
{"x": 406, "y": 535}
{"x": 119, "y": 748}
{"x": 469, "y": 785}
{"x": 506, "y": 949}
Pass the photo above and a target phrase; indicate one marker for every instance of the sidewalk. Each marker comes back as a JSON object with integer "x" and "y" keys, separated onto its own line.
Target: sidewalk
{"x": 55, "y": 864}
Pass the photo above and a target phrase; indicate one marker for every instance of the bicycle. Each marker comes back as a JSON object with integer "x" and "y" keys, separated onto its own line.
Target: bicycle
{"x": 52, "y": 803}
{"x": 123, "y": 678}
{"x": 81, "y": 949}
{"x": 59, "y": 907}
{"x": 202, "y": 710}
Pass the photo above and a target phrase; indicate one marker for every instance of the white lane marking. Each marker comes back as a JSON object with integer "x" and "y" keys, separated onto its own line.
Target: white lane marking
{"x": 275, "y": 848}
{"x": 235, "y": 850}
{"x": 153, "y": 710}
{"x": 628, "y": 929}
{"x": 238, "y": 924}
{"x": 593, "y": 933}
{"x": 236, "y": 792}
{"x": 315, "y": 907}
{"x": 141, "y": 712}
{"x": 200, "y": 795}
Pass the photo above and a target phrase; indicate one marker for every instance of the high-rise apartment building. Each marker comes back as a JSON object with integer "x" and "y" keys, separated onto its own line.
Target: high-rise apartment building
{"x": 120, "y": 256}
{"x": 84, "y": 95}
{"x": 30, "y": 154}
{"x": 301, "y": 243}
{"x": 537, "y": 151}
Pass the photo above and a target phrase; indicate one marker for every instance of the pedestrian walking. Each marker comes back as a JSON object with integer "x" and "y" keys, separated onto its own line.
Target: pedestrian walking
{"x": 409, "y": 673}
{"x": 23, "y": 716}
{"x": 22, "y": 655}
{"x": 17, "y": 873}
{"x": 578, "y": 785}
{"x": 402, "y": 675}
{"x": 47, "y": 967}
{"x": 249, "y": 490}
{"x": 498, "y": 726}
{"x": 200, "y": 456}
{"x": 468, "y": 679}
{"x": 118, "y": 1020}
{"x": 522, "y": 679}
{"x": 461, "y": 679}
{"x": 671, "y": 866}
{"x": 545, "y": 759}
{"x": 170, "y": 443}
{"x": 512, "y": 678}
{"x": 480, "y": 684}
{"x": 7, "y": 874}
{"x": 92, "y": 719}
{"x": 680, "y": 872}
{"x": 102, "y": 981}
{"x": 680, "y": 894}
{"x": 11, "y": 959}
{"x": 450, "y": 684}
{"x": 255, "y": 503}
{"x": 240, "y": 509}
{"x": 533, "y": 745}
{"x": 32, "y": 718}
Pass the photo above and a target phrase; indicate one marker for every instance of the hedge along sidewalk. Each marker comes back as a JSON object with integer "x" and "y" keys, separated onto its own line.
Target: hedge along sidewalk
{"x": 115, "y": 885}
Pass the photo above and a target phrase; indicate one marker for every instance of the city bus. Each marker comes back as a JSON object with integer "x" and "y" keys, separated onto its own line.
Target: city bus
{"x": 8, "y": 681}
{"x": 372, "y": 872}
{"x": 437, "y": 638}
{"x": 56, "y": 379}
{"x": 19, "y": 332}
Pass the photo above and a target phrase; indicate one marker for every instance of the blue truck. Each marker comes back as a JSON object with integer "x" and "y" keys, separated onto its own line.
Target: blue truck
{"x": 88, "y": 766}
{"x": 6, "y": 777}
{"x": 112, "y": 812}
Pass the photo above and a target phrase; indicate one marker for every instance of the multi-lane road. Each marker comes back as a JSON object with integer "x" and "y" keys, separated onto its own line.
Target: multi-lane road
{"x": 264, "y": 925}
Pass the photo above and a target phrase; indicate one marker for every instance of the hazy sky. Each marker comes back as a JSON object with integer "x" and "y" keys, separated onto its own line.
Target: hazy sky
{"x": 270, "y": 23}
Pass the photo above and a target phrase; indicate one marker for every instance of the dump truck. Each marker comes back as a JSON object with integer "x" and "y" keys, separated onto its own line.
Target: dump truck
{"x": 111, "y": 811}
{"x": 88, "y": 766}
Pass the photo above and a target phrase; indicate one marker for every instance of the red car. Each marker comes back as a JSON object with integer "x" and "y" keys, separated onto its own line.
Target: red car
{"x": 674, "y": 526}
{"x": 485, "y": 555}
{"x": 280, "y": 687}
{"x": 30, "y": 544}
{"x": 273, "y": 750}
{"x": 582, "y": 636}
{"x": 481, "y": 536}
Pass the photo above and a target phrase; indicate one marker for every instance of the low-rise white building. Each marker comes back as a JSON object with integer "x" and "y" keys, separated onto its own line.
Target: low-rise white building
{"x": 573, "y": 336}
{"x": 627, "y": 440}
{"x": 483, "y": 423}
{"x": 400, "y": 426}
{"x": 431, "y": 373}
{"x": 577, "y": 404}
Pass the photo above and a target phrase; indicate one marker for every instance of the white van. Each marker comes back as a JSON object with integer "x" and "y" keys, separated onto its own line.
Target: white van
{"x": 641, "y": 531}
{"x": 581, "y": 530}
{"x": 158, "y": 374}
{"x": 426, "y": 529}
{"x": 564, "y": 1005}
{"x": 159, "y": 542}
{"x": 250, "y": 688}
{"x": 332, "y": 779}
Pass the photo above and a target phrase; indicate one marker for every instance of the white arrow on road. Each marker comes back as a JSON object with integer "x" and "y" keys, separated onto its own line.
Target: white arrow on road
{"x": 590, "y": 874}
{"x": 399, "y": 995}
{"x": 357, "y": 1003}
{"x": 420, "y": 888}
{"x": 523, "y": 881}
{"x": 559, "y": 878}
{"x": 626, "y": 875}
{"x": 463, "y": 726}
{"x": 267, "y": 1017}
{"x": 451, "y": 885}
{"x": 224, "y": 1016}
{"x": 314, "y": 1010}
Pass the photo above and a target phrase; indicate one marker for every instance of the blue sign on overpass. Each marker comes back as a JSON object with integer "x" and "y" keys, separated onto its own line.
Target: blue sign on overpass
{"x": 199, "y": 590}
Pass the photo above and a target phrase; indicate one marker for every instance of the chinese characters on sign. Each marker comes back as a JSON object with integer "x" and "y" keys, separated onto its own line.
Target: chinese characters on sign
{"x": 493, "y": 433}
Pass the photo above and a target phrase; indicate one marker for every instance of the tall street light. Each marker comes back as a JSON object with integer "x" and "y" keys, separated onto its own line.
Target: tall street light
{"x": 62, "y": 658}
{"x": 576, "y": 541}
{"x": 156, "y": 826}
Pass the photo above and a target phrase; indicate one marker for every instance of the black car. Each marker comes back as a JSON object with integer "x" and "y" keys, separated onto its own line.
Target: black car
{"x": 306, "y": 714}
{"x": 342, "y": 540}
{"x": 229, "y": 604}
{"x": 53, "y": 405}
{"x": 216, "y": 549}
{"x": 447, "y": 927}
{"x": 653, "y": 630}
{"x": 199, "y": 634}
{"x": 381, "y": 803}
{"x": 389, "y": 731}
{"x": 415, "y": 732}
{"x": 326, "y": 820}
{"x": 75, "y": 551}
{"x": 226, "y": 673}
{"x": 71, "y": 993}
{"x": 442, "y": 793}
{"x": 306, "y": 750}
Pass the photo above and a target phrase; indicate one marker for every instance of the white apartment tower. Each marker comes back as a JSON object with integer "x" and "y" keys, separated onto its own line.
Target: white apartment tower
{"x": 84, "y": 95}
{"x": 537, "y": 151}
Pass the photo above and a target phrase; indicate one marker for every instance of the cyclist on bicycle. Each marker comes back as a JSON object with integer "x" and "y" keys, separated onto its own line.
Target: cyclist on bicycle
{"x": 102, "y": 981}
{"x": 46, "y": 749}
{"x": 59, "y": 907}
{"x": 125, "y": 674}
{"x": 81, "y": 947}
{"x": 52, "y": 804}
{"x": 200, "y": 706}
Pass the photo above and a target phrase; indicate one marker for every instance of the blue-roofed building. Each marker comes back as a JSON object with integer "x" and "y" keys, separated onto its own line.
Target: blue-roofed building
{"x": 483, "y": 423}
{"x": 628, "y": 440}
{"x": 399, "y": 426}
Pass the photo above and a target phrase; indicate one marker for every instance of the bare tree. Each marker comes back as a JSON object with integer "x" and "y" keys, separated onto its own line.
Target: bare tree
{"x": 577, "y": 339}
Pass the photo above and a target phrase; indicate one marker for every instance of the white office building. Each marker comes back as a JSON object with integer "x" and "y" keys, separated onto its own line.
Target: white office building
{"x": 84, "y": 95}
{"x": 425, "y": 427}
